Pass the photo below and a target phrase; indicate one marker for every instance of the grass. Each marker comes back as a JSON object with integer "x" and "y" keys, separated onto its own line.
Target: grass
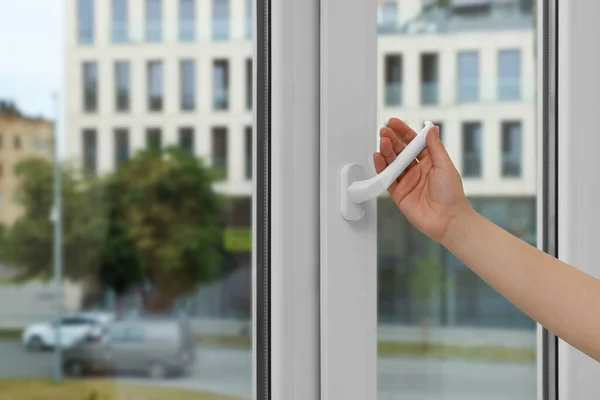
{"x": 38, "y": 389}
{"x": 10, "y": 333}
{"x": 484, "y": 353}
{"x": 398, "y": 348}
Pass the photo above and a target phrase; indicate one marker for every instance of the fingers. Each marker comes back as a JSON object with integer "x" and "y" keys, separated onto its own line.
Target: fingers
{"x": 386, "y": 148}
{"x": 406, "y": 134}
{"x": 402, "y": 130}
{"x": 397, "y": 145}
{"x": 437, "y": 151}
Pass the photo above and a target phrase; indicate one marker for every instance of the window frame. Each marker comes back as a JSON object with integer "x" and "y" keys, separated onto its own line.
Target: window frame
{"x": 289, "y": 345}
{"x": 571, "y": 107}
{"x": 348, "y": 98}
{"x": 285, "y": 236}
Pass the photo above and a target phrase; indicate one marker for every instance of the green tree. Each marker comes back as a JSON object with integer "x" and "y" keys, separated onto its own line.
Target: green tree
{"x": 27, "y": 244}
{"x": 167, "y": 216}
{"x": 427, "y": 283}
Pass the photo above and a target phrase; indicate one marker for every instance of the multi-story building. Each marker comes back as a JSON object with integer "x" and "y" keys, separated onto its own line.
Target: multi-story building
{"x": 20, "y": 137}
{"x": 157, "y": 72}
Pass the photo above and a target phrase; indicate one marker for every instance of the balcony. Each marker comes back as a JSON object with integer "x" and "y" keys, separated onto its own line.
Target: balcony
{"x": 120, "y": 32}
{"x": 188, "y": 102}
{"x": 219, "y": 165}
{"x": 393, "y": 94}
{"x": 249, "y": 168}
{"x": 122, "y": 100}
{"x": 509, "y": 89}
{"x": 249, "y": 29}
{"x": 155, "y": 103}
{"x": 472, "y": 165}
{"x": 511, "y": 165}
{"x": 221, "y": 99}
{"x": 86, "y": 36}
{"x": 153, "y": 31}
{"x": 429, "y": 93}
{"x": 187, "y": 31}
{"x": 220, "y": 30}
{"x": 468, "y": 90}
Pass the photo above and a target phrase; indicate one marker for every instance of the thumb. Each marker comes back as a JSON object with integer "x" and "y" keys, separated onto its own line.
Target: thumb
{"x": 437, "y": 151}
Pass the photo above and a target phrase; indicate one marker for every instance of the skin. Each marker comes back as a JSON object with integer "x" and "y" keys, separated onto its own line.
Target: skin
{"x": 430, "y": 194}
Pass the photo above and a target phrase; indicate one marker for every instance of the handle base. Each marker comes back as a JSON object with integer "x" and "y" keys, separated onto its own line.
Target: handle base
{"x": 349, "y": 174}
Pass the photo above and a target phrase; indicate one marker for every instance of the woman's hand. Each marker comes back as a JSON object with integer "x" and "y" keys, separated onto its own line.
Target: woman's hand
{"x": 429, "y": 193}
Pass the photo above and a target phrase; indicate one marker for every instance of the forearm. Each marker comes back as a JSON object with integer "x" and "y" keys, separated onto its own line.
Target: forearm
{"x": 558, "y": 296}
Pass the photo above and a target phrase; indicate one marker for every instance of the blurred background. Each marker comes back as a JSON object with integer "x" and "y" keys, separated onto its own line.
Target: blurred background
{"x": 149, "y": 103}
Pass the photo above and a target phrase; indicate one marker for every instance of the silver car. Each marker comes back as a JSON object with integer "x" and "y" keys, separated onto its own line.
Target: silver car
{"x": 156, "y": 347}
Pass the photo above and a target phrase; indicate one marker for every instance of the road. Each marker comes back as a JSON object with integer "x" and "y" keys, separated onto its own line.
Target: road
{"x": 228, "y": 371}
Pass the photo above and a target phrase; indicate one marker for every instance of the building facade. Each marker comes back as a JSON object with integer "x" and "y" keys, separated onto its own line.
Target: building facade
{"x": 20, "y": 137}
{"x": 148, "y": 72}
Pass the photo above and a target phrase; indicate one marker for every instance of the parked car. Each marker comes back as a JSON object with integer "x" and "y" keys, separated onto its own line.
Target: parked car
{"x": 156, "y": 347}
{"x": 72, "y": 328}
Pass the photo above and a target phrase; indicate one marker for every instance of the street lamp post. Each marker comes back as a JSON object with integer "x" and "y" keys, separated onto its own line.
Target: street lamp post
{"x": 57, "y": 245}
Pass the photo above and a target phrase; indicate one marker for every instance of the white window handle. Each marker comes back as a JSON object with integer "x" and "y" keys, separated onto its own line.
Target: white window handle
{"x": 355, "y": 189}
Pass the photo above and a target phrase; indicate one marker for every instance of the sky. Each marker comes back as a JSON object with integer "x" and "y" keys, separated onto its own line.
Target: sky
{"x": 31, "y": 54}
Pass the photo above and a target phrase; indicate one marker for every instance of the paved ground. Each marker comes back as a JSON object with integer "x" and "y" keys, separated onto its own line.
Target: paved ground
{"x": 228, "y": 372}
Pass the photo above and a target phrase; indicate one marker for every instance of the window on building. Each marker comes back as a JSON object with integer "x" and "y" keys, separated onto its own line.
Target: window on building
{"x": 155, "y": 86}
{"x": 248, "y": 148}
{"x": 186, "y": 139}
{"x": 120, "y": 21}
{"x": 393, "y": 80}
{"x": 187, "y": 20}
{"x": 122, "y": 85}
{"x": 249, "y": 24}
{"x": 249, "y": 84}
{"x": 187, "y": 71}
{"x": 468, "y": 76}
{"x": 388, "y": 16}
{"x": 90, "y": 151}
{"x": 220, "y": 20}
{"x": 90, "y": 86}
{"x": 121, "y": 141}
{"x": 472, "y": 148}
{"x": 429, "y": 79}
{"x": 85, "y": 17}
{"x": 221, "y": 85}
{"x": 526, "y": 6}
{"x": 154, "y": 138}
{"x": 154, "y": 16}
{"x": 17, "y": 142}
{"x": 219, "y": 152}
{"x": 511, "y": 149}
{"x": 509, "y": 75}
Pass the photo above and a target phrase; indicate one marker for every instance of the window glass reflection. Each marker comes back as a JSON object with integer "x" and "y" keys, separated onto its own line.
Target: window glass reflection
{"x": 154, "y": 228}
{"x": 443, "y": 333}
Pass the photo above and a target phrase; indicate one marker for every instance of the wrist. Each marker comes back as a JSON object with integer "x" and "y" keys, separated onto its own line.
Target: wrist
{"x": 458, "y": 226}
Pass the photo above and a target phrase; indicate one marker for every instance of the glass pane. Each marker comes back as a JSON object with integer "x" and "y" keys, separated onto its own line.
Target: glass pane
{"x": 120, "y": 21}
{"x": 153, "y": 233}
{"x": 443, "y": 333}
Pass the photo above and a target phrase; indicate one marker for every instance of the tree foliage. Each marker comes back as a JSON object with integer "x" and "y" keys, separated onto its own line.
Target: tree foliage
{"x": 163, "y": 222}
{"x": 154, "y": 220}
{"x": 27, "y": 245}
